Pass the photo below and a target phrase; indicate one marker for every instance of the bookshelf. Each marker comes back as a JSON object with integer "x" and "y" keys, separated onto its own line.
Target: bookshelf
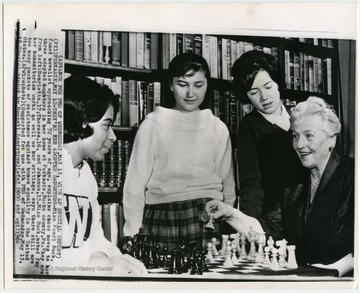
{"x": 134, "y": 65}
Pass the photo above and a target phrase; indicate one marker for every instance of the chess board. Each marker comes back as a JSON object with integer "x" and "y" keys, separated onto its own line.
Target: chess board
{"x": 247, "y": 270}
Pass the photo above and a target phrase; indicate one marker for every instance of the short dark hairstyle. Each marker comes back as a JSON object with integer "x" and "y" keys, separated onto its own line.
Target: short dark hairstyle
{"x": 247, "y": 67}
{"x": 187, "y": 64}
{"x": 85, "y": 101}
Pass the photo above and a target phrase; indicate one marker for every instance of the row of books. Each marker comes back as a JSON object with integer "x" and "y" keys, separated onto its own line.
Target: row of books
{"x": 111, "y": 171}
{"x": 136, "y": 98}
{"x": 308, "y": 73}
{"x": 326, "y": 43}
{"x": 220, "y": 53}
{"x": 112, "y": 221}
{"x": 128, "y": 49}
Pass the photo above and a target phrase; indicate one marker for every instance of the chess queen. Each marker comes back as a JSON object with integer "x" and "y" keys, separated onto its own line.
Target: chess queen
{"x": 317, "y": 213}
{"x": 181, "y": 159}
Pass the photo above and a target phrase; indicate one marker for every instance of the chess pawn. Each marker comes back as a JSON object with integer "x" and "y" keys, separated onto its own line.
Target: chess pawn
{"x": 209, "y": 256}
{"x": 282, "y": 252}
{"x": 274, "y": 261}
{"x": 224, "y": 238}
{"x": 266, "y": 262}
{"x": 243, "y": 254}
{"x": 213, "y": 249}
{"x": 228, "y": 262}
{"x": 233, "y": 256}
{"x": 210, "y": 224}
{"x": 291, "y": 263}
{"x": 261, "y": 242}
{"x": 252, "y": 252}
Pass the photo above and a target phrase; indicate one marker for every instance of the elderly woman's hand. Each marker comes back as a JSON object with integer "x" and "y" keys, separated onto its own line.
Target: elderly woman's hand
{"x": 218, "y": 210}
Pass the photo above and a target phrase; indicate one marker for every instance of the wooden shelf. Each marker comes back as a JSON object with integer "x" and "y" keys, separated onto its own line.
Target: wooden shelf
{"x": 106, "y": 66}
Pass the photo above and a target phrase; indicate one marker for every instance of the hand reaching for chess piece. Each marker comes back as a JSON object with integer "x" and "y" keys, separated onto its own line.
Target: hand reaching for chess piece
{"x": 238, "y": 220}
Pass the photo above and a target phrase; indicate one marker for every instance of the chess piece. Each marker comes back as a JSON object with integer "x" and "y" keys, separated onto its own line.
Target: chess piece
{"x": 214, "y": 250}
{"x": 237, "y": 242}
{"x": 228, "y": 262}
{"x": 282, "y": 252}
{"x": 252, "y": 252}
{"x": 291, "y": 263}
{"x": 224, "y": 238}
{"x": 204, "y": 266}
{"x": 209, "y": 256}
{"x": 233, "y": 256}
{"x": 261, "y": 242}
{"x": 266, "y": 262}
{"x": 274, "y": 262}
{"x": 243, "y": 254}
{"x": 270, "y": 243}
{"x": 210, "y": 223}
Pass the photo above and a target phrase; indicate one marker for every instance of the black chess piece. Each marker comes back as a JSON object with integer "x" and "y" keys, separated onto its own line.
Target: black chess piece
{"x": 175, "y": 266}
{"x": 166, "y": 261}
{"x": 203, "y": 261}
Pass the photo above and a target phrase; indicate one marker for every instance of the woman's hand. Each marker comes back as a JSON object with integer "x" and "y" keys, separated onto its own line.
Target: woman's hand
{"x": 238, "y": 220}
{"x": 218, "y": 210}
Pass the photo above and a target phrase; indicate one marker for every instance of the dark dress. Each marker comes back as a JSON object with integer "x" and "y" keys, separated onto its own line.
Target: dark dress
{"x": 266, "y": 160}
{"x": 322, "y": 231}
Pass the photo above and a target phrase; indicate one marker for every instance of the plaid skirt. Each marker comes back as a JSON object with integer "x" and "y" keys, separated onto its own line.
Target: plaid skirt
{"x": 177, "y": 223}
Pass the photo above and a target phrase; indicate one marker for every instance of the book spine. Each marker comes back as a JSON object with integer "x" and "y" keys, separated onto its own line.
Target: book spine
{"x": 150, "y": 98}
{"x": 157, "y": 94}
{"x": 311, "y": 74}
{"x": 71, "y": 45}
{"x": 101, "y": 48}
{"x": 147, "y": 51}
{"x": 287, "y": 68}
{"x": 233, "y": 54}
{"x": 296, "y": 71}
{"x": 132, "y": 49}
{"x": 87, "y": 46}
{"x": 306, "y": 72}
{"x": 291, "y": 69}
{"x": 133, "y": 104}
{"x": 198, "y": 44}
{"x": 124, "y": 43}
{"x": 206, "y": 49}
{"x": 154, "y": 51}
{"x": 140, "y": 49}
{"x": 94, "y": 54}
{"x": 79, "y": 45}
{"x": 301, "y": 74}
{"x": 116, "y": 39}
{"x": 165, "y": 39}
{"x": 224, "y": 58}
{"x": 179, "y": 44}
{"x": 213, "y": 57}
{"x": 329, "y": 76}
{"x": 172, "y": 46}
{"x": 316, "y": 72}
{"x": 125, "y": 103}
{"x": 188, "y": 43}
{"x": 106, "y": 223}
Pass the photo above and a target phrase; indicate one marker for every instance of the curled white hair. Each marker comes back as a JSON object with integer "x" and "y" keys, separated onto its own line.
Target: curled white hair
{"x": 315, "y": 106}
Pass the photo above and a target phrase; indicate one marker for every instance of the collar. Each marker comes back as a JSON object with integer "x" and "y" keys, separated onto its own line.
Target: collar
{"x": 283, "y": 121}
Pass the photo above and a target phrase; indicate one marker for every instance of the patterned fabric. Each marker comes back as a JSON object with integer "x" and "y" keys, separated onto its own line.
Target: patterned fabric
{"x": 179, "y": 221}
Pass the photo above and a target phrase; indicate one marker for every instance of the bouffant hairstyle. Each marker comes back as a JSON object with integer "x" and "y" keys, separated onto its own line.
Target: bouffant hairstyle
{"x": 85, "y": 101}
{"x": 186, "y": 65}
{"x": 247, "y": 67}
{"x": 316, "y": 106}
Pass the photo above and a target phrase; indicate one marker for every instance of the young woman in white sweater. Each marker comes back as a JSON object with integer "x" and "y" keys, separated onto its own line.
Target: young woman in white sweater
{"x": 181, "y": 159}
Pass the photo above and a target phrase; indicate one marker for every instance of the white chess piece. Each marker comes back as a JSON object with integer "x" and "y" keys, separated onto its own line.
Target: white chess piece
{"x": 228, "y": 262}
{"x": 291, "y": 263}
{"x": 270, "y": 243}
{"x": 213, "y": 249}
{"x": 252, "y": 252}
{"x": 224, "y": 238}
{"x": 274, "y": 262}
{"x": 243, "y": 254}
{"x": 209, "y": 256}
{"x": 261, "y": 242}
{"x": 233, "y": 256}
{"x": 282, "y": 252}
{"x": 266, "y": 262}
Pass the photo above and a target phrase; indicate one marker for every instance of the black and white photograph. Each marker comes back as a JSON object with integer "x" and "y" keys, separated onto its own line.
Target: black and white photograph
{"x": 180, "y": 145}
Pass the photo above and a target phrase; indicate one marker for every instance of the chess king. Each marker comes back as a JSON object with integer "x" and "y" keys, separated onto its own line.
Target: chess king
{"x": 317, "y": 213}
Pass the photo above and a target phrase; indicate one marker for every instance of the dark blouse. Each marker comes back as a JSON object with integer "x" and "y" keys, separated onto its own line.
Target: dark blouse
{"x": 322, "y": 231}
{"x": 266, "y": 161}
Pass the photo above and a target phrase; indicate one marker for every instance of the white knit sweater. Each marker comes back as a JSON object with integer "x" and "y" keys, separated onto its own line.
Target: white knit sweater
{"x": 177, "y": 156}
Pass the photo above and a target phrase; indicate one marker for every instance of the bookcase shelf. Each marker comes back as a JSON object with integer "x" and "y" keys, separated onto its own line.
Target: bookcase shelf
{"x": 71, "y": 65}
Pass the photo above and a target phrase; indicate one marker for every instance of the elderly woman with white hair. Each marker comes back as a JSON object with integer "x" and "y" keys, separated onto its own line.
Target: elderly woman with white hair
{"x": 317, "y": 213}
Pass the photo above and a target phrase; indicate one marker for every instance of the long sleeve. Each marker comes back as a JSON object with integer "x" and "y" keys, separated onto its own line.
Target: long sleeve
{"x": 138, "y": 174}
{"x": 224, "y": 161}
{"x": 251, "y": 192}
